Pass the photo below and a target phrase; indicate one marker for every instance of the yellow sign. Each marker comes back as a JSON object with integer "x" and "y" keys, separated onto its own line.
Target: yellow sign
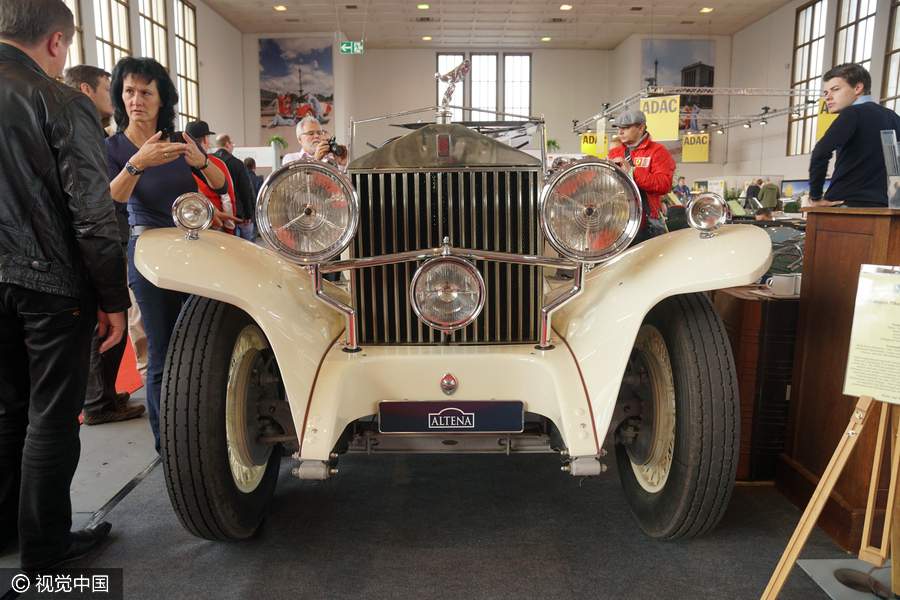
{"x": 788, "y": 191}
{"x": 695, "y": 148}
{"x": 662, "y": 116}
{"x": 603, "y": 150}
{"x": 825, "y": 119}
{"x": 589, "y": 143}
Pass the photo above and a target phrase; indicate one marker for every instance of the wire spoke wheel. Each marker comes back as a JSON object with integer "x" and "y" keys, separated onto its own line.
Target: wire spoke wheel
{"x": 678, "y": 460}
{"x": 653, "y": 471}
{"x": 219, "y": 476}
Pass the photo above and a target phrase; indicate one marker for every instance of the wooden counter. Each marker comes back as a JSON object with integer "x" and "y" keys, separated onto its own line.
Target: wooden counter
{"x": 838, "y": 241}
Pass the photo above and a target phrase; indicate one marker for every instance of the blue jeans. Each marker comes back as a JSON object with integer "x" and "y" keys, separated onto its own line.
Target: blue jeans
{"x": 159, "y": 310}
{"x": 245, "y": 232}
{"x": 45, "y": 343}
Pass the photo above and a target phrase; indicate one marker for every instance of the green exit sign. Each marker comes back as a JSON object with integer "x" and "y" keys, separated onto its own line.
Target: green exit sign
{"x": 351, "y": 47}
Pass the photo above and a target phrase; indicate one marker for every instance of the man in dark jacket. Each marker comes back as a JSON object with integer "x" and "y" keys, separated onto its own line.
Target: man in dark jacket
{"x": 102, "y": 404}
{"x": 61, "y": 269}
{"x": 245, "y": 199}
{"x": 860, "y": 176}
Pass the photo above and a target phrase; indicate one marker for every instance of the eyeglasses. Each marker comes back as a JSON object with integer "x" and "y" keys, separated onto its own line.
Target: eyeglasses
{"x": 319, "y": 132}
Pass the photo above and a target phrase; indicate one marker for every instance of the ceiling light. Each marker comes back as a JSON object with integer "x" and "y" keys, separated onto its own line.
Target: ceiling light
{"x": 763, "y": 121}
{"x": 713, "y": 124}
{"x": 280, "y": 7}
{"x": 720, "y": 131}
{"x": 706, "y": 10}
{"x": 422, "y": 7}
{"x": 565, "y": 7}
{"x": 747, "y": 125}
{"x": 545, "y": 39}
{"x": 426, "y": 38}
{"x": 796, "y": 114}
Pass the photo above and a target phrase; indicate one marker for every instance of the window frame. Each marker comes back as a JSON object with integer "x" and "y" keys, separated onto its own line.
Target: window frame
{"x": 183, "y": 81}
{"x": 501, "y": 83}
{"x": 852, "y": 28}
{"x": 152, "y": 29}
{"x": 892, "y": 51}
{"x": 802, "y": 129}
{"x": 507, "y": 83}
{"x": 110, "y": 51}
{"x": 76, "y": 50}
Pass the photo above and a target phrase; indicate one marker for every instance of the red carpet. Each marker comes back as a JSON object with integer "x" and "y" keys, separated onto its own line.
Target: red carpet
{"x": 128, "y": 379}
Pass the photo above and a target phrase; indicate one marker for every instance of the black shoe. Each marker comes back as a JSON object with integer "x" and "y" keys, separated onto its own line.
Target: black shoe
{"x": 83, "y": 543}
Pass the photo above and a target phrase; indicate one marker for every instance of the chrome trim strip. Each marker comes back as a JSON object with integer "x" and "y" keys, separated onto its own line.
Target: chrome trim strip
{"x": 548, "y": 310}
{"x": 394, "y": 242}
{"x": 349, "y": 313}
{"x": 413, "y": 255}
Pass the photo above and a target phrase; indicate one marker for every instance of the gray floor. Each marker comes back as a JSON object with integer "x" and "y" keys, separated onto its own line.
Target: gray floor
{"x": 396, "y": 526}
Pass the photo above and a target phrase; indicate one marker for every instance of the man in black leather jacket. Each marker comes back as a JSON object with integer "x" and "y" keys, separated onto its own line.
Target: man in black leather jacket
{"x": 61, "y": 269}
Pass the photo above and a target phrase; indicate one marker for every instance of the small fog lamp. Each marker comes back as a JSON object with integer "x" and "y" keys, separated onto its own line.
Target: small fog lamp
{"x": 706, "y": 213}
{"x": 192, "y": 213}
{"x": 447, "y": 293}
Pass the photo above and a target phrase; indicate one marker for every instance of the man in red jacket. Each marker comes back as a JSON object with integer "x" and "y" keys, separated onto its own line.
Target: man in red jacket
{"x": 649, "y": 164}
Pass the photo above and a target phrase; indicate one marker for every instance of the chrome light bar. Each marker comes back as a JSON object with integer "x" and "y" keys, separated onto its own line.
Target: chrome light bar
{"x": 466, "y": 254}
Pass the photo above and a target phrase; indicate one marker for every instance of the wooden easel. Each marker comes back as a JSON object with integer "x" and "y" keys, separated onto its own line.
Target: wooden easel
{"x": 870, "y": 554}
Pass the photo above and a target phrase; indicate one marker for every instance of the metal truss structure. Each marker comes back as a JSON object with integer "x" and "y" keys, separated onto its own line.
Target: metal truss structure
{"x": 728, "y": 120}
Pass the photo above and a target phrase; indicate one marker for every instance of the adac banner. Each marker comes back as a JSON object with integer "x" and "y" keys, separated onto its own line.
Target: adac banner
{"x": 662, "y": 116}
{"x": 695, "y": 148}
{"x": 594, "y": 144}
{"x": 825, "y": 119}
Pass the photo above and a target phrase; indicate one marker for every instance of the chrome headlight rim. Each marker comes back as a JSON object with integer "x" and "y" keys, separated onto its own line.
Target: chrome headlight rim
{"x": 434, "y": 262}
{"x": 182, "y": 202}
{"x": 634, "y": 208}
{"x": 265, "y": 197}
{"x": 692, "y": 219}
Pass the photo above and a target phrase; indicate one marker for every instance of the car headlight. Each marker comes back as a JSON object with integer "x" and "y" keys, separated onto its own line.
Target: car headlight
{"x": 307, "y": 211}
{"x": 447, "y": 293}
{"x": 590, "y": 210}
{"x": 193, "y": 213}
{"x": 706, "y": 213}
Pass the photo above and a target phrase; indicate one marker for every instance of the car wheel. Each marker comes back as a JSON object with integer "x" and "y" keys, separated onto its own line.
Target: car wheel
{"x": 678, "y": 465}
{"x": 220, "y": 478}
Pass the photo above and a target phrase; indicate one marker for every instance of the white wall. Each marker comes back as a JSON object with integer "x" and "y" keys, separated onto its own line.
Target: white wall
{"x": 221, "y": 66}
{"x": 572, "y": 85}
{"x": 763, "y": 58}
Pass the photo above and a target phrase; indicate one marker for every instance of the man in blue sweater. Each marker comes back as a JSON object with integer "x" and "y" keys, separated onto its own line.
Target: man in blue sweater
{"x": 859, "y": 178}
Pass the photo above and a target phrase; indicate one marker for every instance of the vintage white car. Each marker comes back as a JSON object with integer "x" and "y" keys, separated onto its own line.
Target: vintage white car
{"x": 493, "y": 305}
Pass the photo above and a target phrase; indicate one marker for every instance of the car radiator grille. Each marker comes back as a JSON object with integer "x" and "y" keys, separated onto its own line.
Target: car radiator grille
{"x": 481, "y": 210}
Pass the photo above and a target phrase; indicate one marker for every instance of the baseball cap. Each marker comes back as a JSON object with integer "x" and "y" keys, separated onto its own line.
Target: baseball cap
{"x": 631, "y": 117}
{"x": 198, "y": 129}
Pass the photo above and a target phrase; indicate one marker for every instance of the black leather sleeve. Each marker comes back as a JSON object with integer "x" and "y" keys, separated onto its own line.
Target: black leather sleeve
{"x": 77, "y": 140}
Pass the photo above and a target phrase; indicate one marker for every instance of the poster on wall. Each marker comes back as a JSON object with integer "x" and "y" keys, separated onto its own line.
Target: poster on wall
{"x": 681, "y": 63}
{"x": 296, "y": 79}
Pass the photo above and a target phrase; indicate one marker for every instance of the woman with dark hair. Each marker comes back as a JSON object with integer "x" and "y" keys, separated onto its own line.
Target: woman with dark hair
{"x": 150, "y": 165}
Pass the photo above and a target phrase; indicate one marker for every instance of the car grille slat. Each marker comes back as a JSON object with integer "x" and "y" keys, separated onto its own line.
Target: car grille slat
{"x": 475, "y": 209}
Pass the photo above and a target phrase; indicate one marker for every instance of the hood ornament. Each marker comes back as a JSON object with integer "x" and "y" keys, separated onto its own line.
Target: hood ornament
{"x": 452, "y": 78}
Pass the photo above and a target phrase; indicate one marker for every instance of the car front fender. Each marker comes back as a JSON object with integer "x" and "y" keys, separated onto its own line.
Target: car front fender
{"x": 277, "y": 294}
{"x": 601, "y": 324}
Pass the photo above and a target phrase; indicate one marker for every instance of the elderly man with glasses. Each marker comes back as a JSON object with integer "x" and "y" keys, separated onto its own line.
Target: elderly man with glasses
{"x": 315, "y": 144}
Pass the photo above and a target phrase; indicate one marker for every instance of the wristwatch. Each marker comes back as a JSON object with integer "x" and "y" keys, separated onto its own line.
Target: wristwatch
{"x": 132, "y": 170}
{"x": 204, "y": 166}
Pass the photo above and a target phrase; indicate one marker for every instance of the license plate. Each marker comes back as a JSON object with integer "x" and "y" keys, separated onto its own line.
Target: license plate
{"x": 471, "y": 416}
